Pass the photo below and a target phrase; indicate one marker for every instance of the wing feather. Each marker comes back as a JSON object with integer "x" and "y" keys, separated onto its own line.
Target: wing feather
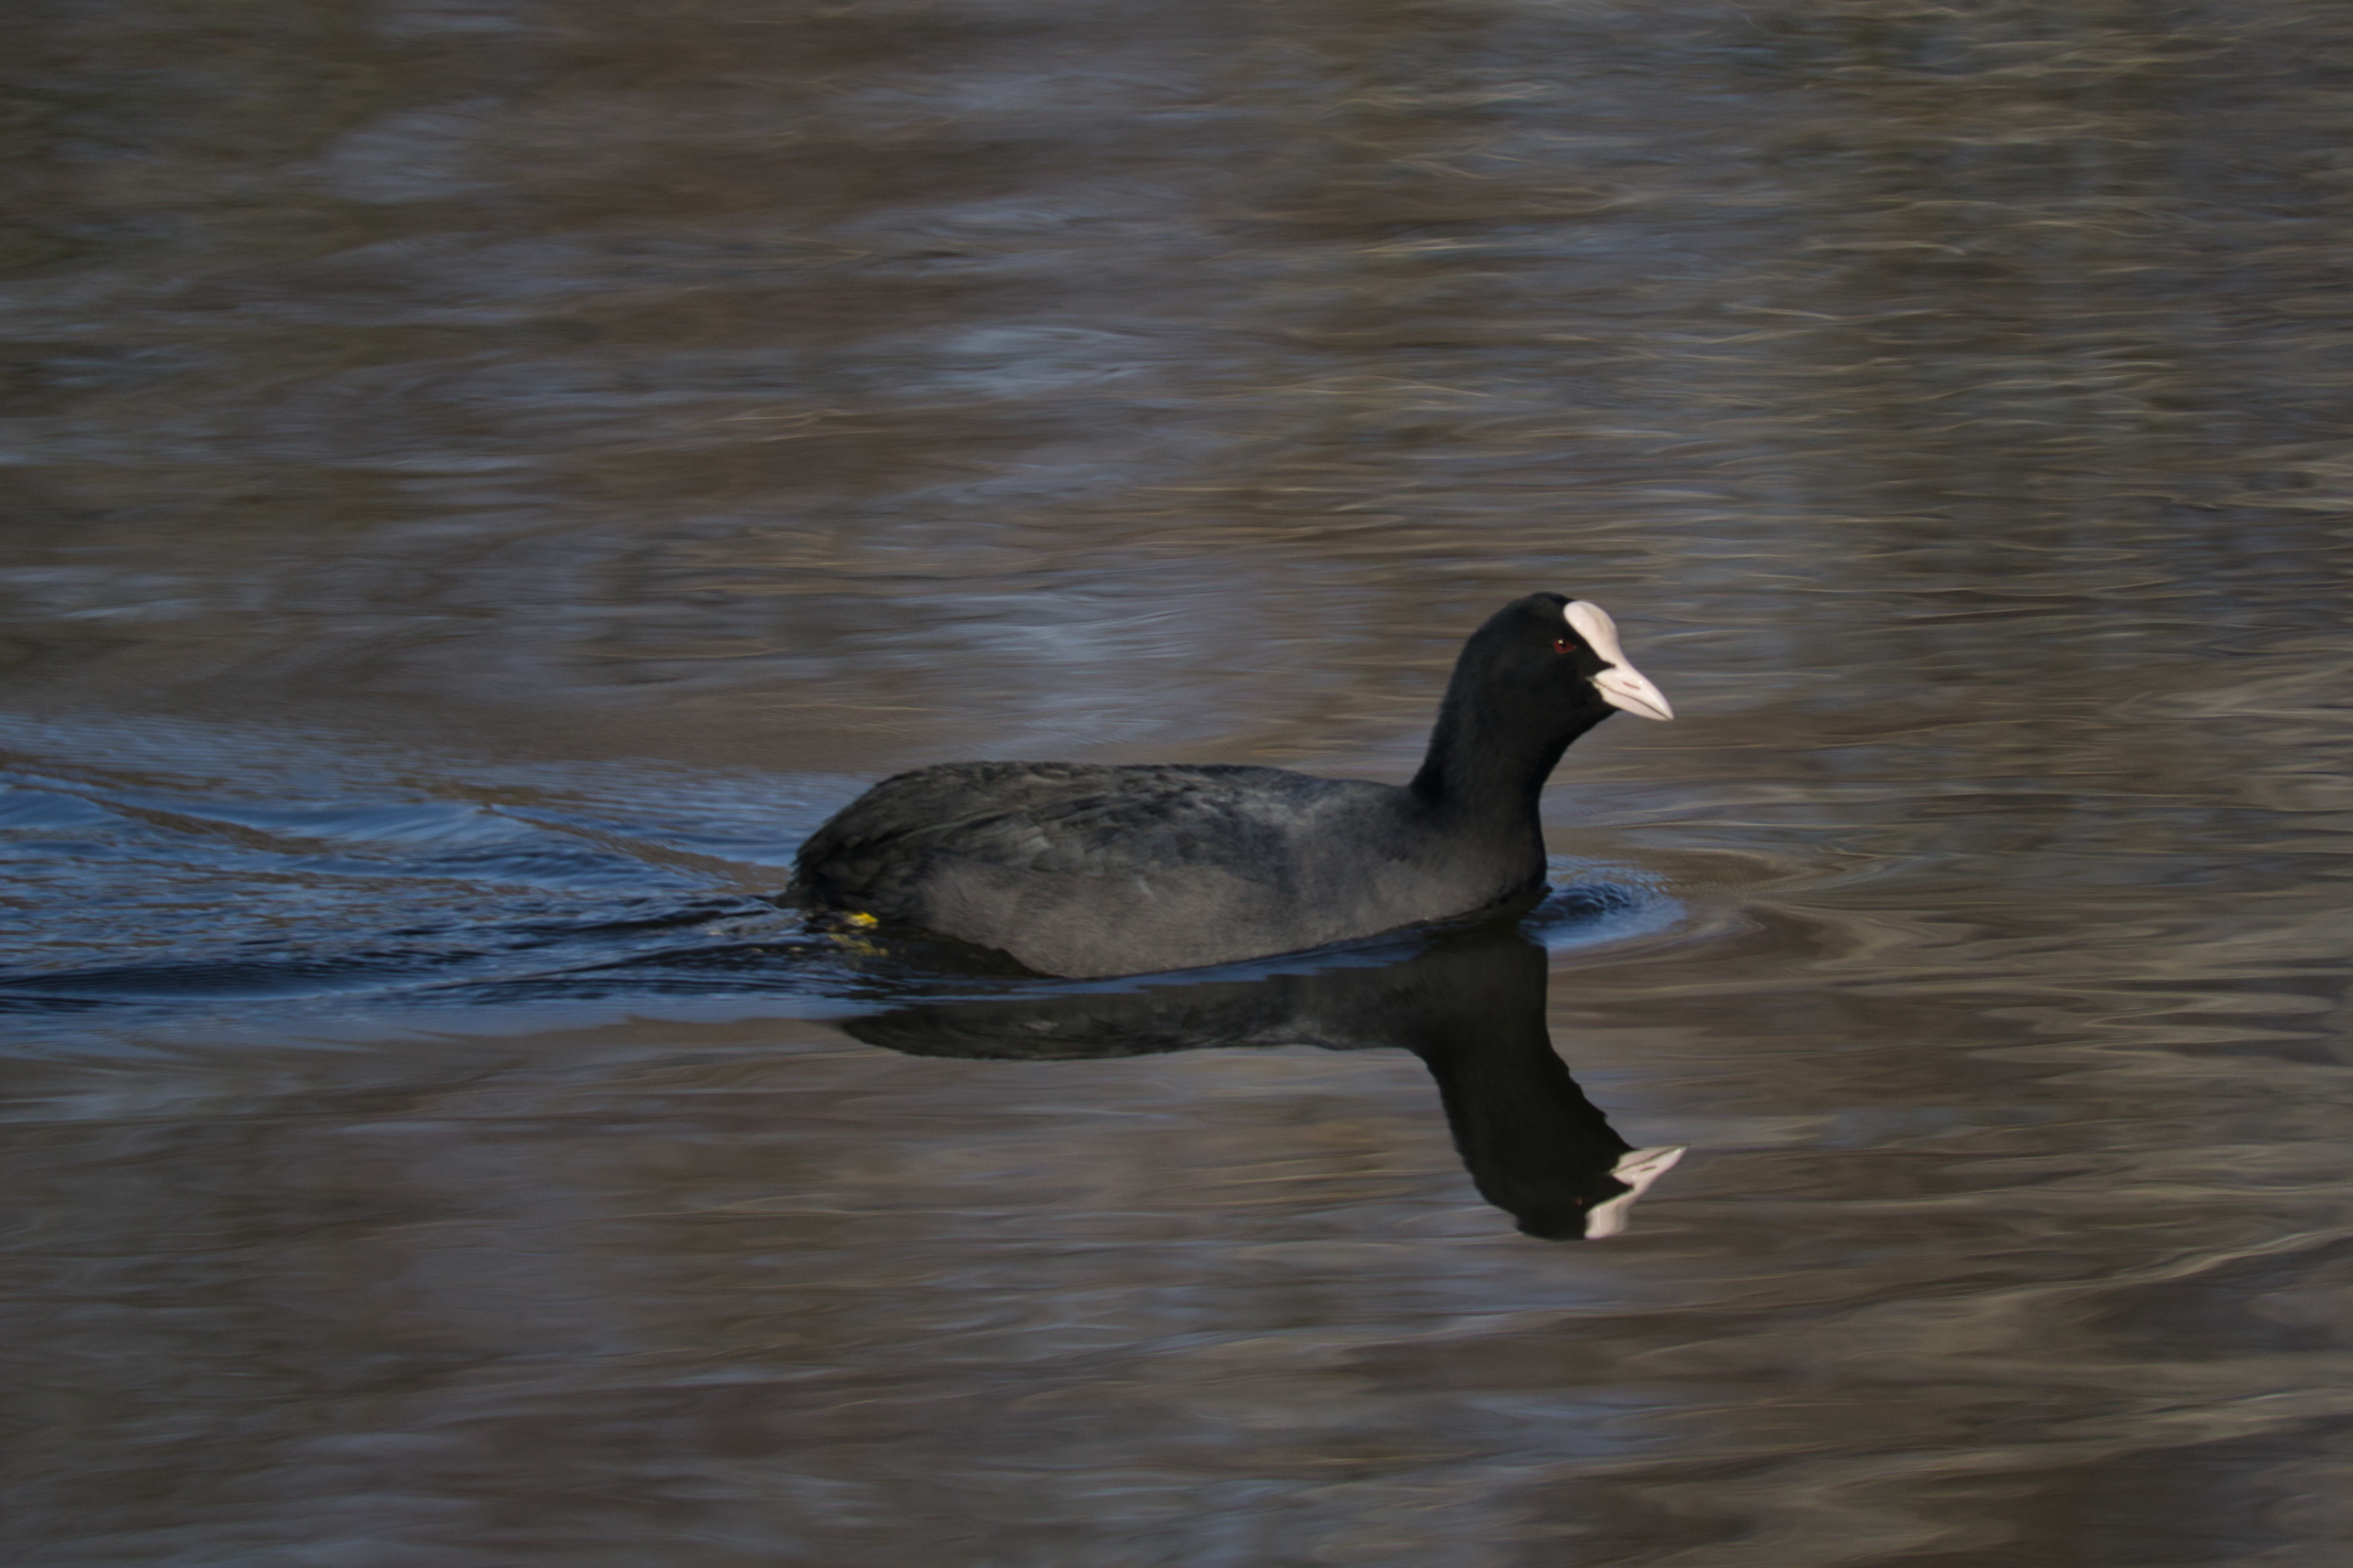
{"x": 1064, "y": 819}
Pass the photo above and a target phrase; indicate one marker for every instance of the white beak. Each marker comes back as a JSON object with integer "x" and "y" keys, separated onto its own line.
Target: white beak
{"x": 1622, "y": 686}
{"x": 1626, "y": 688}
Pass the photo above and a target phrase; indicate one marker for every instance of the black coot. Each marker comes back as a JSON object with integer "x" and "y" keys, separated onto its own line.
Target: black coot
{"x": 1087, "y": 871}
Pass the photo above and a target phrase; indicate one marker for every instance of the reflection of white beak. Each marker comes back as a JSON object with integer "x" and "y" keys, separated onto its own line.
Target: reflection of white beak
{"x": 1637, "y": 1168}
{"x": 1621, "y": 686}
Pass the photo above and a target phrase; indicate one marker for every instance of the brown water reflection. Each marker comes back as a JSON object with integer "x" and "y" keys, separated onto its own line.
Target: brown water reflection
{"x": 483, "y": 477}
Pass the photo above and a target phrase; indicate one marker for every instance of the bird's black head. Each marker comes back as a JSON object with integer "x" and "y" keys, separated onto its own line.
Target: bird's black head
{"x": 1538, "y": 673}
{"x": 1550, "y": 643}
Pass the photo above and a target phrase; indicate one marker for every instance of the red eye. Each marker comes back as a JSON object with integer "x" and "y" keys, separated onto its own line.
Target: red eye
{"x": 1565, "y": 646}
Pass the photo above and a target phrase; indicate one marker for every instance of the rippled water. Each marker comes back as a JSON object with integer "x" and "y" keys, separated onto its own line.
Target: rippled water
{"x": 485, "y": 477}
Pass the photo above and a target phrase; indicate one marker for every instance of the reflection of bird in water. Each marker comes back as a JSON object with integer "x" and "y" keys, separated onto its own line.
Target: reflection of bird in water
{"x": 1471, "y": 1006}
{"x": 1080, "y": 870}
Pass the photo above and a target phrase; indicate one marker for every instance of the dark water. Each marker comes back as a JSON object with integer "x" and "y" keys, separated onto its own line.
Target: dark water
{"x": 483, "y": 479}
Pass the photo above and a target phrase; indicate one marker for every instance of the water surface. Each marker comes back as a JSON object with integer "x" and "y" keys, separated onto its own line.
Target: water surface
{"x": 484, "y": 480}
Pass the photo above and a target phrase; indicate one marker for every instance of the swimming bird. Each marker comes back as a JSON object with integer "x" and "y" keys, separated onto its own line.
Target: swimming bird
{"x": 1089, "y": 870}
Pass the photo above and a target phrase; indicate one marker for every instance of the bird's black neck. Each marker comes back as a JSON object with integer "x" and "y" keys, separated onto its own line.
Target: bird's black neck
{"x": 1489, "y": 758}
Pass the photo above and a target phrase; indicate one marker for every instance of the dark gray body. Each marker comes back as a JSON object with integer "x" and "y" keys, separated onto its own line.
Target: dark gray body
{"x": 1085, "y": 871}
{"x": 1082, "y": 870}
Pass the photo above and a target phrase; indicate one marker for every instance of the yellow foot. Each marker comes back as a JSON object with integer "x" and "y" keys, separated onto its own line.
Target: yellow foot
{"x": 847, "y": 929}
